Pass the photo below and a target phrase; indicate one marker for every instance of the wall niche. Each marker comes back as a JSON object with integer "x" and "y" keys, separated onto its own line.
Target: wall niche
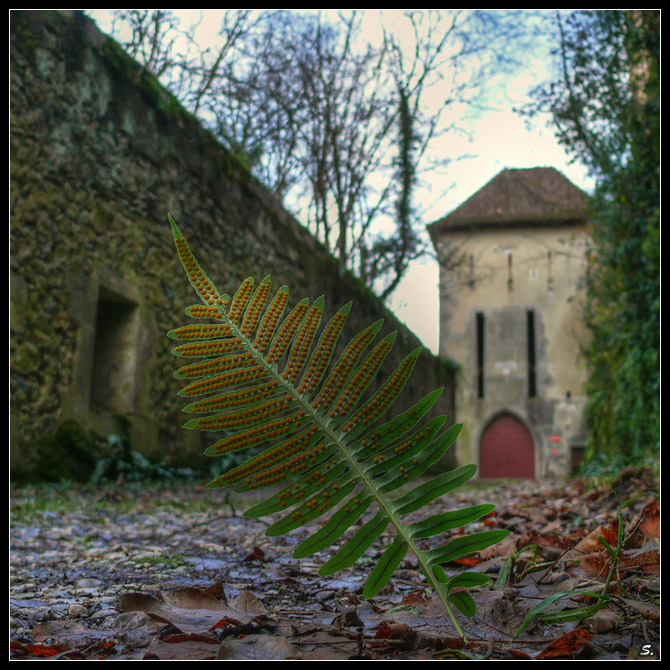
{"x": 115, "y": 353}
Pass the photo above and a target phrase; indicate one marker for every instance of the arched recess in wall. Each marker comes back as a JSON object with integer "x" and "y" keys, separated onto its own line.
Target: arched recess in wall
{"x": 506, "y": 449}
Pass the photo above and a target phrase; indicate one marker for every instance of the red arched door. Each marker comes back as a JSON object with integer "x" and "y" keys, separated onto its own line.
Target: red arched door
{"x": 506, "y": 450}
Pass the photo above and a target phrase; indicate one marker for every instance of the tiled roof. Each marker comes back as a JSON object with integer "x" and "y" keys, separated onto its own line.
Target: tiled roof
{"x": 533, "y": 196}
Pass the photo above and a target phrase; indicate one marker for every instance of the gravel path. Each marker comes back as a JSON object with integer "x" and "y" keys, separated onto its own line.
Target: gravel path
{"x": 77, "y": 560}
{"x": 75, "y": 551}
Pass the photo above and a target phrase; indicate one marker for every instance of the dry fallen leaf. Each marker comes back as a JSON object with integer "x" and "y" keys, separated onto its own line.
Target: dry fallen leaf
{"x": 644, "y": 560}
{"x": 256, "y": 648}
{"x": 191, "y": 598}
{"x": 390, "y": 630}
{"x": 566, "y": 645}
{"x": 36, "y": 650}
{"x": 344, "y": 627}
{"x": 187, "y": 649}
{"x": 193, "y": 610}
{"x": 68, "y": 632}
{"x": 650, "y": 527}
{"x": 502, "y": 549}
{"x": 603, "y": 621}
{"x": 648, "y": 611}
{"x": 591, "y": 543}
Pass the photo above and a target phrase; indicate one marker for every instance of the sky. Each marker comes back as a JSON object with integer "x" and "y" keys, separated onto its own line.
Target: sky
{"x": 499, "y": 139}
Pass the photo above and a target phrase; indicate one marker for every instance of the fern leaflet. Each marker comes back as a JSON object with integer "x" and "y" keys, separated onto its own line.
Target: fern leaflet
{"x": 268, "y": 379}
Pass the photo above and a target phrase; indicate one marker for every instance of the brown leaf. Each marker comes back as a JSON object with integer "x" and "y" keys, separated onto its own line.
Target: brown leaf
{"x": 589, "y": 556}
{"x": 144, "y": 602}
{"x": 647, "y": 561}
{"x": 191, "y": 598}
{"x": 256, "y": 555}
{"x": 414, "y": 600}
{"x": 68, "y": 632}
{"x": 591, "y": 543}
{"x": 192, "y": 650}
{"x": 566, "y": 645}
{"x": 135, "y": 629}
{"x": 217, "y": 591}
{"x": 602, "y": 621}
{"x": 552, "y": 527}
{"x": 389, "y": 630}
{"x": 36, "y": 650}
{"x": 548, "y": 540}
{"x": 502, "y": 549}
{"x": 256, "y": 647}
{"x": 648, "y": 611}
{"x": 589, "y": 565}
{"x": 651, "y": 521}
{"x": 248, "y": 605}
{"x": 193, "y": 610}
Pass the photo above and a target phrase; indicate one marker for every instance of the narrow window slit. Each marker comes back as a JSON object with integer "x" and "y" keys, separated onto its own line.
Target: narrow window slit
{"x": 532, "y": 373}
{"x": 480, "y": 354}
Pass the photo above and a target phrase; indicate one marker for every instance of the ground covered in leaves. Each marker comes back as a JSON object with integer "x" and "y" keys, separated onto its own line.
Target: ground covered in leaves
{"x": 176, "y": 572}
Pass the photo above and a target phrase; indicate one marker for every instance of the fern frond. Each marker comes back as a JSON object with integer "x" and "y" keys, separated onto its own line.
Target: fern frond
{"x": 271, "y": 382}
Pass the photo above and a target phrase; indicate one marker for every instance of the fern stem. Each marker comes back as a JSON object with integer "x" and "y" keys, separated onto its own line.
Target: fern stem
{"x": 439, "y": 589}
{"x": 360, "y": 475}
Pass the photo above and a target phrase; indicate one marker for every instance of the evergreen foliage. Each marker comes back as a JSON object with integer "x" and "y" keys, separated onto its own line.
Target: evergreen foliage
{"x": 606, "y": 108}
{"x": 275, "y": 388}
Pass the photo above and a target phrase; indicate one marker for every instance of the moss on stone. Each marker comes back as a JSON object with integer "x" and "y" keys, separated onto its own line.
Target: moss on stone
{"x": 67, "y": 454}
{"x": 92, "y": 182}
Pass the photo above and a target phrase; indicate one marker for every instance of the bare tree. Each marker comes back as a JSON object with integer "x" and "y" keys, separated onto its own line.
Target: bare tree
{"x": 151, "y": 38}
{"x": 338, "y": 126}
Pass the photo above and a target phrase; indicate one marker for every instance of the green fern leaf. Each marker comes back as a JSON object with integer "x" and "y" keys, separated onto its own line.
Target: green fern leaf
{"x": 270, "y": 382}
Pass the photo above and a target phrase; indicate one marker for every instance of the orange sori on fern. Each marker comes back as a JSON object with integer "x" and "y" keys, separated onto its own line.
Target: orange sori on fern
{"x": 276, "y": 388}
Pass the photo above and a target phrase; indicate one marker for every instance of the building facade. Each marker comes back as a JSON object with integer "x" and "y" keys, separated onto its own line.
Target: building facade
{"x": 513, "y": 260}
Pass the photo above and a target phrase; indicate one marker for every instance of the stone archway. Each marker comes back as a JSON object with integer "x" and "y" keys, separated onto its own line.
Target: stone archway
{"x": 506, "y": 450}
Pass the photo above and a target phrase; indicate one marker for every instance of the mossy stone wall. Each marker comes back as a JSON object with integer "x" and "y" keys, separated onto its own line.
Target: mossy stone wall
{"x": 100, "y": 154}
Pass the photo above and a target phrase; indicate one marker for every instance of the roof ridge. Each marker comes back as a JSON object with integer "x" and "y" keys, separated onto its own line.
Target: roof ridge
{"x": 516, "y": 196}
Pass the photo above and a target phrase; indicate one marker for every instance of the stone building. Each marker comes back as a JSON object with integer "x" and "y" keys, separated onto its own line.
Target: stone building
{"x": 100, "y": 153}
{"x": 512, "y": 259}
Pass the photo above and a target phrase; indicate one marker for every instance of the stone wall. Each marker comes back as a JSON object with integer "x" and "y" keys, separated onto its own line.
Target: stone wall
{"x": 100, "y": 154}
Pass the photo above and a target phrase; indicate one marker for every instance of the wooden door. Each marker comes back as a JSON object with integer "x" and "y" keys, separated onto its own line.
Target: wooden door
{"x": 507, "y": 450}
